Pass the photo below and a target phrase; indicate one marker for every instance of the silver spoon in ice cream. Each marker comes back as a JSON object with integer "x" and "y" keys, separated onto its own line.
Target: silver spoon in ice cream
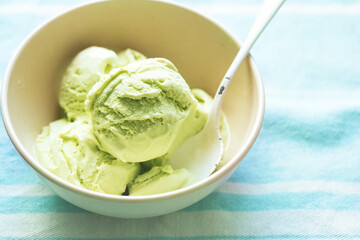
{"x": 202, "y": 153}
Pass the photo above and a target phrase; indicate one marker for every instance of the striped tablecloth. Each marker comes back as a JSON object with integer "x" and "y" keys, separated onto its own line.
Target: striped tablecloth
{"x": 301, "y": 179}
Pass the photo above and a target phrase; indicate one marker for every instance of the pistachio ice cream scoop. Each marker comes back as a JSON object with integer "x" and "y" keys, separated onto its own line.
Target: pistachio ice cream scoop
{"x": 84, "y": 71}
{"x": 69, "y": 150}
{"x": 141, "y": 110}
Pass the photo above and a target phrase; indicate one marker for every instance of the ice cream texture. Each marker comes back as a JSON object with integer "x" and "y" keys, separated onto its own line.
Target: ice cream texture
{"x": 145, "y": 105}
{"x": 125, "y": 116}
{"x": 69, "y": 150}
{"x": 159, "y": 180}
{"x": 84, "y": 71}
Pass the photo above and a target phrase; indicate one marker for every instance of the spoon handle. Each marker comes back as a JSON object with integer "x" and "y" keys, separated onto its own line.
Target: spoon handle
{"x": 267, "y": 11}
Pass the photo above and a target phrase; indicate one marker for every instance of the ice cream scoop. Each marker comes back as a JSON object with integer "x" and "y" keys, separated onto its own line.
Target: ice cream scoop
{"x": 69, "y": 150}
{"x": 142, "y": 110}
{"x": 85, "y": 70}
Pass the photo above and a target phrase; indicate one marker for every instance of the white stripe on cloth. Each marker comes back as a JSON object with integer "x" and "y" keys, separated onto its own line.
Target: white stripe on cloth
{"x": 185, "y": 224}
{"x": 232, "y": 8}
{"x": 228, "y": 187}
{"x": 24, "y": 190}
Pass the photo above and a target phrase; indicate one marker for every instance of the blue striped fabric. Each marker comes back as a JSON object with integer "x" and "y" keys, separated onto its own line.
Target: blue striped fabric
{"x": 301, "y": 179}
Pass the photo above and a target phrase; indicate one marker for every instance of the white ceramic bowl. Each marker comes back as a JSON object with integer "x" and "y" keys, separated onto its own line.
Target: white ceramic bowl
{"x": 201, "y": 49}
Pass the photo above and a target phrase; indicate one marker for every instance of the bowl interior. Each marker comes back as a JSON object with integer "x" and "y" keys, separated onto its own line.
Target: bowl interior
{"x": 201, "y": 50}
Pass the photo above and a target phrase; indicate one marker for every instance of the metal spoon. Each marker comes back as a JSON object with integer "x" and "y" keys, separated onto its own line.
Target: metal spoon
{"x": 202, "y": 153}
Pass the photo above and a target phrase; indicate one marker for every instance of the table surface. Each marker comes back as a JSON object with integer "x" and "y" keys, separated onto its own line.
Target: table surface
{"x": 301, "y": 179}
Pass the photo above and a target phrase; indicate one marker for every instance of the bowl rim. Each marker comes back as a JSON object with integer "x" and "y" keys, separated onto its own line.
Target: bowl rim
{"x": 224, "y": 170}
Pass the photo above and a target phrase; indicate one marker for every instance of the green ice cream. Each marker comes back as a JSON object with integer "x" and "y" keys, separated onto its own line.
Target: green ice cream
{"x": 126, "y": 116}
{"x": 128, "y": 56}
{"x": 159, "y": 180}
{"x": 69, "y": 150}
{"x": 199, "y": 118}
{"x": 84, "y": 71}
{"x": 143, "y": 110}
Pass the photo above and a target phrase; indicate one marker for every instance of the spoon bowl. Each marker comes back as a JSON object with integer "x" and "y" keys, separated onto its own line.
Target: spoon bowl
{"x": 197, "y": 152}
